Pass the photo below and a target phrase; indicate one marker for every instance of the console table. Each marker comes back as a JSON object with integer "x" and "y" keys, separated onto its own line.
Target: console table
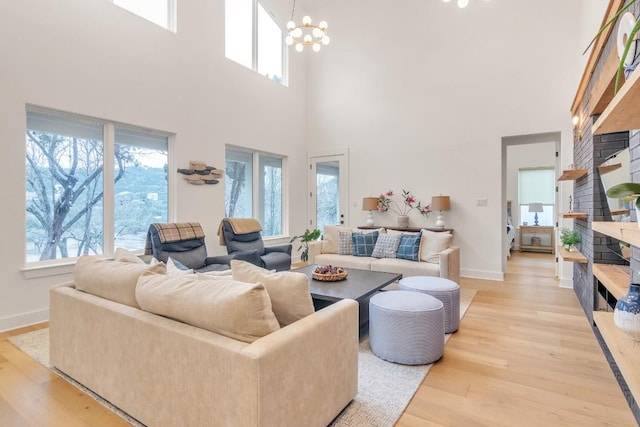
{"x": 530, "y": 238}
{"x": 407, "y": 229}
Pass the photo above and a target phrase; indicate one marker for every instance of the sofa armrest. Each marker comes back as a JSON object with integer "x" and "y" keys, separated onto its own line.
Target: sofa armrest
{"x": 218, "y": 259}
{"x": 450, "y": 264}
{"x": 315, "y": 249}
{"x": 321, "y": 351}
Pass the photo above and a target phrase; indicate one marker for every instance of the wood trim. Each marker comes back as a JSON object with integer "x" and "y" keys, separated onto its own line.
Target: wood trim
{"x": 596, "y": 52}
{"x": 603, "y": 89}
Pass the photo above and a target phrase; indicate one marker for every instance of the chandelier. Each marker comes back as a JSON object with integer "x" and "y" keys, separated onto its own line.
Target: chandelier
{"x": 306, "y": 34}
{"x": 461, "y": 3}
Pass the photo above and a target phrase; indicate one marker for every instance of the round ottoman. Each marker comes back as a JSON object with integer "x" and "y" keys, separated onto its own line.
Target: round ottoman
{"x": 406, "y": 327}
{"x": 445, "y": 290}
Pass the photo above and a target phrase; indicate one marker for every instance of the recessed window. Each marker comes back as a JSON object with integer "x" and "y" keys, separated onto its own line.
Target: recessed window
{"x": 536, "y": 186}
{"x": 160, "y": 12}
{"x": 254, "y": 188}
{"x": 254, "y": 39}
{"x": 91, "y": 185}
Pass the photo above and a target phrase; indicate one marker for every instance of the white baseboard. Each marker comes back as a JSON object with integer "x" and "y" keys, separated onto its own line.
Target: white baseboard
{"x": 566, "y": 283}
{"x": 22, "y": 320}
{"x": 482, "y": 274}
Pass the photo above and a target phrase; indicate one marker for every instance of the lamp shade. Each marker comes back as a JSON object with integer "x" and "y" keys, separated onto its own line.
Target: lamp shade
{"x": 440, "y": 203}
{"x": 535, "y": 207}
{"x": 369, "y": 203}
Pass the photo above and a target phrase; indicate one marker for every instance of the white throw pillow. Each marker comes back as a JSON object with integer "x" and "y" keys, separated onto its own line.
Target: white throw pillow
{"x": 241, "y": 311}
{"x": 432, "y": 243}
{"x": 217, "y": 273}
{"x": 112, "y": 280}
{"x": 386, "y": 246}
{"x": 125, "y": 255}
{"x": 175, "y": 268}
{"x": 288, "y": 290}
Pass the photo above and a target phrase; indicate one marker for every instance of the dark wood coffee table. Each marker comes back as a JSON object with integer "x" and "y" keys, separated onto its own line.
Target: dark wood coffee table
{"x": 359, "y": 285}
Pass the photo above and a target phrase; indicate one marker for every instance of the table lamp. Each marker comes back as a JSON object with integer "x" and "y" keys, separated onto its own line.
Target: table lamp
{"x": 440, "y": 203}
{"x": 535, "y": 207}
{"x": 370, "y": 204}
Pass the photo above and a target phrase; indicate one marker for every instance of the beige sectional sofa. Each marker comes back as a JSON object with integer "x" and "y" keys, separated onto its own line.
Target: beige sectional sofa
{"x": 166, "y": 372}
{"x": 443, "y": 260}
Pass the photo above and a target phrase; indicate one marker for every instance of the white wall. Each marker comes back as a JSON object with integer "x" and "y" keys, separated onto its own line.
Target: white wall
{"x": 422, "y": 92}
{"x": 94, "y": 58}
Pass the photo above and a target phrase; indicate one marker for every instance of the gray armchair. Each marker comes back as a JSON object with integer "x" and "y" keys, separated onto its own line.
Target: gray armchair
{"x": 184, "y": 242}
{"x": 242, "y": 238}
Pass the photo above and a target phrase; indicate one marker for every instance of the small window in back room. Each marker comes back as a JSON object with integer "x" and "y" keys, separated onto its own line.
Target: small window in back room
{"x": 160, "y": 12}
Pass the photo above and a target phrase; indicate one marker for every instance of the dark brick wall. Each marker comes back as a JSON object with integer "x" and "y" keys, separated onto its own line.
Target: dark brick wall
{"x": 589, "y": 196}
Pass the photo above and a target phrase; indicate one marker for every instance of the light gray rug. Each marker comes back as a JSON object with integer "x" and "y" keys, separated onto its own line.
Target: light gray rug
{"x": 384, "y": 389}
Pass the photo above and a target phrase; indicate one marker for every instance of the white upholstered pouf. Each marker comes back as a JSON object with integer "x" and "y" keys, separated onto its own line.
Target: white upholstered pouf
{"x": 406, "y": 327}
{"x": 445, "y": 290}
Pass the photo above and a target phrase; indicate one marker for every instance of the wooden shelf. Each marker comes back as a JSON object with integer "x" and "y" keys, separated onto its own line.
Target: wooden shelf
{"x": 576, "y": 215}
{"x": 572, "y": 174}
{"x": 622, "y": 112}
{"x": 624, "y": 350}
{"x": 609, "y": 168}
{"x": 626, "y": 231}
{"x": 620, "y": 212}
{"x": 615, "y": 278}
{"x": 571, "y": 256}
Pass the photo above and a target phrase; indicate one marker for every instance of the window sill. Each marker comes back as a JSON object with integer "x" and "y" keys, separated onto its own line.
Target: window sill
{"x": 48, "y": 269}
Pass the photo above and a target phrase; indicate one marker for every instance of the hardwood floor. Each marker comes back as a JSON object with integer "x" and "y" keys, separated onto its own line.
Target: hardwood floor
{"x": 525, "y": 355}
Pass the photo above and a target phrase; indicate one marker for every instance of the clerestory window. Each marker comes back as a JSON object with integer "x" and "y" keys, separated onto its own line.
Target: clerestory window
{"x": 254, "y": 39}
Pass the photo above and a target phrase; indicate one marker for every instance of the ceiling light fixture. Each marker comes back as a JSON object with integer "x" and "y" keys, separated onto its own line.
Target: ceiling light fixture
{"x": 461, "y": 3}
{"x": 306, "y": 34}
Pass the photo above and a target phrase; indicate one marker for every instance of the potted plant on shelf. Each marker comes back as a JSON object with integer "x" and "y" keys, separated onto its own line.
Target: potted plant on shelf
{"x": 305, "y": 238}
{"x": 628, "y": 191}
{"x": 569, "y": 239}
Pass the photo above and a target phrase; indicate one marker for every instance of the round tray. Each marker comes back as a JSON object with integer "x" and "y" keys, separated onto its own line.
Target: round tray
{"x": 331, "y": 277}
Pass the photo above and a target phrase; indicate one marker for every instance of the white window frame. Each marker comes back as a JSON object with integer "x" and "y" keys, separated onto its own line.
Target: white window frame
{"x": 255, "y": 43}
{"x": 172, "y": 8}
{"x": 33, "y": 269}
{"x": 258, "y": 191}
{"x": 548, "y": 204}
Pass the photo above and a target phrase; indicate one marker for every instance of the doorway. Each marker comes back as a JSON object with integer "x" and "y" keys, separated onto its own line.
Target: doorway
{"x": 524, "y": 152}
{"x": 328, "y": 184}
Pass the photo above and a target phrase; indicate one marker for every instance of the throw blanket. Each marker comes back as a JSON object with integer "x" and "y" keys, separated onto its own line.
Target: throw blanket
{"x": 174, "y": 232}
{"x": 239, "y": 226}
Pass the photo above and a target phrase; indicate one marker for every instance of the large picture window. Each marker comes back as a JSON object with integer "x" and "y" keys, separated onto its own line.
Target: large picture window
{"x": 90, "y": 185}
{"x": 254, "y": 188}
{"x": 254, "y": 39}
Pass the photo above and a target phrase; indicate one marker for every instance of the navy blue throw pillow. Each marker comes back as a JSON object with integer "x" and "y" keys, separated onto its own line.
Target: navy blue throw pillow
{"x": 409, "y": 247}
{"x": 363, "y": 243}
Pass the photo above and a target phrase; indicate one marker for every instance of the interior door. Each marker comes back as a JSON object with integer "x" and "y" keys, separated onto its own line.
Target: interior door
{"x": 328, "y": 190}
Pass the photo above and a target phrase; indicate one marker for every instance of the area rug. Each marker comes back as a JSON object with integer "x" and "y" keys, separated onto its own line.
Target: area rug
{"x": 384, "y": 389}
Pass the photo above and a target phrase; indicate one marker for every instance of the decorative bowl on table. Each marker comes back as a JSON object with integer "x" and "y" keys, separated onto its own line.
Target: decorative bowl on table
{"x": 329, "y": 273}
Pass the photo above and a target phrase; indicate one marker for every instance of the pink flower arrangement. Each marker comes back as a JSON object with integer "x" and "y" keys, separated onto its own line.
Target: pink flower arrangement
{"x": 408, "y": 203}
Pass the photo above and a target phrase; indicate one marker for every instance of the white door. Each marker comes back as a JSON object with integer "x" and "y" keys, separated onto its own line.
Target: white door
{"x": 328, "y": 190}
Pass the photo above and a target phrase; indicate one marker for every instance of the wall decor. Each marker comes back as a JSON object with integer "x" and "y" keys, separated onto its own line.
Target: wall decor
{"x": 200, "y": 173}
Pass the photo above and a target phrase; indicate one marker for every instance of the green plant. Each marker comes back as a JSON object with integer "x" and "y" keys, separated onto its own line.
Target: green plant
{"x": 570, "y": 237}
{"x": 627, "y": 191}
{"x": 628, "y": 43}
{"x": 305, "y": 238}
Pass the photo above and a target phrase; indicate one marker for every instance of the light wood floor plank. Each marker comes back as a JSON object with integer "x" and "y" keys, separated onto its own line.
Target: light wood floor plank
{"x": 525, "y": 355}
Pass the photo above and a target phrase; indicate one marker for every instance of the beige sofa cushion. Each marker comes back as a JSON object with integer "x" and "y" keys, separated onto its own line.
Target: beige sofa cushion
{"x": 288, "y": 290}
{"x": 405, "y": 267}
{"x": 331, "y": 238}
{"x": 125, "y": 255}
{"x": 432, "y": 243}
{"x": 113, "y": 280}
{"x": 347, "y": 261}
{"x": 238, "y": 310}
